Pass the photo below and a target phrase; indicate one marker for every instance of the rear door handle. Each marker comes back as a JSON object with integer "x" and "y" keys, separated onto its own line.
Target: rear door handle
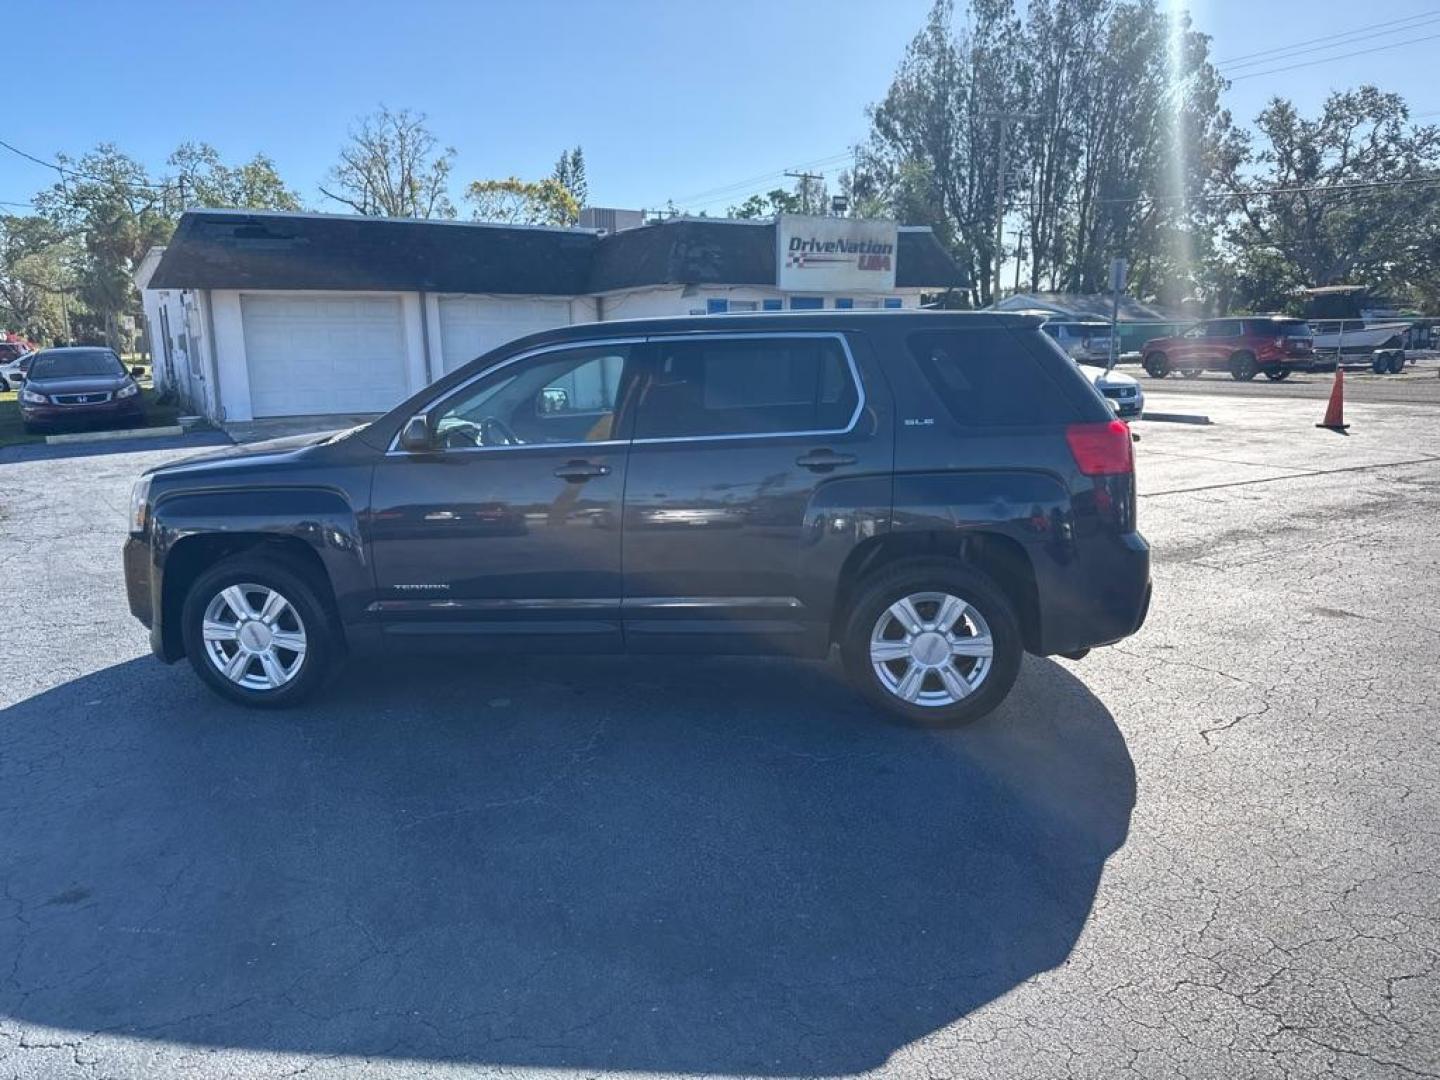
{"x": 578, "y": 471}
{"x": 824, "y": 460}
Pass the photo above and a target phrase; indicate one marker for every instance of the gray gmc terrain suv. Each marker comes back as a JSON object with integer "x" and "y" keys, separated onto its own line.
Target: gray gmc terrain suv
{"x": 935, "y": 493}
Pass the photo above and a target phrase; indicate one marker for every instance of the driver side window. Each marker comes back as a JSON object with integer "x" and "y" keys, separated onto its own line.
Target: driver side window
{"x": 567, "y": 396}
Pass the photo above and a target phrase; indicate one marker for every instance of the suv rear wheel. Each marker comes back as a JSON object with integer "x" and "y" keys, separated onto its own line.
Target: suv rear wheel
{"x": 256, "y": 632}
{"x": 1243, "y": 367}
{"x": 935, "y": 643}
{"x": 1157, "y": 365}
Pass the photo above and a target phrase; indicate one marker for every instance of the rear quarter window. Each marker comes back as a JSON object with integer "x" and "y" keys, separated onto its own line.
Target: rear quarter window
{"x": 989, "y": 378}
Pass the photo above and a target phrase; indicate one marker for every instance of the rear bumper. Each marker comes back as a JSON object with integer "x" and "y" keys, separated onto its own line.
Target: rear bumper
{"x": 1100, "y": 597}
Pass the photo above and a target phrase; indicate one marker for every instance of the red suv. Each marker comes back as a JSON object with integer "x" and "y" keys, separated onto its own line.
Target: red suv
{"x": 1269, "y": 344}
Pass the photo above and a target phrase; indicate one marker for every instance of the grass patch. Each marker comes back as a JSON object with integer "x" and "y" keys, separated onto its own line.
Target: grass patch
{"x": 13, "y": 433}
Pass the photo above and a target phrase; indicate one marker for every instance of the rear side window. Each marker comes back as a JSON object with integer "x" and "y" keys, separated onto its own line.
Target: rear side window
{"x": 987, "y": 378}
{"x": 747, "y": 386}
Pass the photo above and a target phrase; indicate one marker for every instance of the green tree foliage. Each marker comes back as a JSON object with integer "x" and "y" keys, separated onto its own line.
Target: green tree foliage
{"x": 809, "y": 196}
{"x": 37, "y": 278}
{"x": 202, "y": 179}
{"x": 933, "y": 153}
{"x": 1348, "y": 196}
{"x": 1093, "y": 171}
{"x": 96, "y": 222}
{"x": 570, "y": 174}
{"x": 393, "y": 166}
{"x": 108, "y": 206}
{"x": 513, "y": 201}
{"x": 778, "y": 201}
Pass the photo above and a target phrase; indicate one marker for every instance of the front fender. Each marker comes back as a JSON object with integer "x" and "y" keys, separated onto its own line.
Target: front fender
{"x": 322, "y": 519}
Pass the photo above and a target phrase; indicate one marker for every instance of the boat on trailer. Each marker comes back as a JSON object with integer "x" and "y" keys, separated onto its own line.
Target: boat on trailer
{"x": 1351, "y": 325}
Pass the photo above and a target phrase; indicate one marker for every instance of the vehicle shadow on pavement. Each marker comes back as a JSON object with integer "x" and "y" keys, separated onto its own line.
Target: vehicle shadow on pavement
{"x": 199, "y": 441}
{"x": 727, "y": 866}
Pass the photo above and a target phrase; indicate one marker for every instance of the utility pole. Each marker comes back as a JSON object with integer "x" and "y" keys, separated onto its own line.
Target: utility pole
{"x": 805, "y": 178}
{"x": 1019, "y": 236}
{"x": 1005, "y": 119}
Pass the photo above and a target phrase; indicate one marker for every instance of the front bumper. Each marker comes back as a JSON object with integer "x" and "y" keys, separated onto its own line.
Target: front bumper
{"x": 142, "y": 591}
{"x": 116, "y": 409}
{"x": 1127, "y": 408}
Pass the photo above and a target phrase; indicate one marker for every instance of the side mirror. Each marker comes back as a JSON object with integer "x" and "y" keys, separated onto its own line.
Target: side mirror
{"x": 137, "y": 372}
{"x": 415, "y": 437}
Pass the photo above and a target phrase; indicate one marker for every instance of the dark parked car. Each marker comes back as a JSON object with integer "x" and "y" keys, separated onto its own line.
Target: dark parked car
{"x": 74, "y": 385}
{"x": 936, "y": 493}
{"x": 1270, "y": 345}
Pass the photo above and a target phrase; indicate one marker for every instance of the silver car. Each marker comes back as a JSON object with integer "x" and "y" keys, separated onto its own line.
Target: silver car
{"x": 1082, "y": 341}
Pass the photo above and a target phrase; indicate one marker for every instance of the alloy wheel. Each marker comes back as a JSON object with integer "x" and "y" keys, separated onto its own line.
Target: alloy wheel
{"x": 931, "y": 649}
{"x": 254, "y": 636}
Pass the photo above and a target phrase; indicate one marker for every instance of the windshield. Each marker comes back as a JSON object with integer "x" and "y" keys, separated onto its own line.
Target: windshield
{"x": 69, "y": 365}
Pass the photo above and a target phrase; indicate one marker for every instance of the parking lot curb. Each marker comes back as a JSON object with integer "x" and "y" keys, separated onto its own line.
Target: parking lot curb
{"x": 108, "y": 436}
{"x": 1176, "y": 417}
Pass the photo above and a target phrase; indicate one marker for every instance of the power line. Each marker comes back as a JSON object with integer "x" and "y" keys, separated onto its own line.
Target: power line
{"x": 65, "y": 170}
{"x": 1371, "y": 185}
{"x": 1372, "y": 27}
{"x": 1291, "y": 53}
{"x": 1330, "y": 59}
{"x": 727, "y": 191}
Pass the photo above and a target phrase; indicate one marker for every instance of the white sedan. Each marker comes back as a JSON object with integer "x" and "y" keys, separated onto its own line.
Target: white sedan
{"x": 12, "y": 372}
{"x": 1121, "y": 391}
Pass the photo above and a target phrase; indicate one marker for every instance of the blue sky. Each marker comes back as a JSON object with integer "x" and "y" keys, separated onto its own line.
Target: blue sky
{"x": 670, "y": 98}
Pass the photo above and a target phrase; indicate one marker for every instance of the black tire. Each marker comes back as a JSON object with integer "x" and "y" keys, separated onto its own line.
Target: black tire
{"x": 1277, "y": 374}
{"x": 1380, "y": 365}
{"x": 1157, "y": 365}
{"x": 1191, "y": 373}
{"x": 321, "y": 637}
{"x": 1243, "y": 367}
{"x": 945, "y": 576}
{"x": 1397, "y": 363}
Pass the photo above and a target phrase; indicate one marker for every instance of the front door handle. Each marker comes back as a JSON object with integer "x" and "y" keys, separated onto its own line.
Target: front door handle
{"x": 579, "y": 471}
{"x": 824, "y": 460}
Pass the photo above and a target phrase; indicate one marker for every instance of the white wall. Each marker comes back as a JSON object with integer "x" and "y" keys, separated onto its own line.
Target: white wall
{"x": 219, "y": 369}
{"x": 680, "y": 300}
{"x": 232, "y": 375}
{"x": 464, "y": 326}
{"x": 647, "y": 303}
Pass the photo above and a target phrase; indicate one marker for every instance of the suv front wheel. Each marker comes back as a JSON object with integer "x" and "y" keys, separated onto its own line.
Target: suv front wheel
{"x": 935, "y": 644}
{"x": 256, "y": 632}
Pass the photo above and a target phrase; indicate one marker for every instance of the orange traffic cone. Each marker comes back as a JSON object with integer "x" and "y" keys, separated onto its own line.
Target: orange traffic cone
{"x": 1335, "y": 411}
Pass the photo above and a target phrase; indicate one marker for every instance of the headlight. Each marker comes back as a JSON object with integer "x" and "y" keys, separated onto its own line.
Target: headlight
{"x": 128, "y": 390}
{"x": 140, "y": 505}
{"x": 32, "y": 397}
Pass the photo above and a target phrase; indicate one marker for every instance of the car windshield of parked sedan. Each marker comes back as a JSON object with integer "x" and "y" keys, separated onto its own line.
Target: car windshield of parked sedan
{"x": 70, "y": 365}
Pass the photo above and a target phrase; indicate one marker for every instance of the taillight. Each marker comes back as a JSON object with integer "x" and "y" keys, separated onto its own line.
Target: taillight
{"x": 1101, "y": 449}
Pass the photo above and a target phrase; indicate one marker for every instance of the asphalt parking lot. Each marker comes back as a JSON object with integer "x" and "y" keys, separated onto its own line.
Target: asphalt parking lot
{"x": 1210, "y": 851}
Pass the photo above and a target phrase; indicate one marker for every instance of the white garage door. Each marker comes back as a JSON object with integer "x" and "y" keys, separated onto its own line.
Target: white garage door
{"x": 472, "y": 325}
{"x": 331, "y": 354}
